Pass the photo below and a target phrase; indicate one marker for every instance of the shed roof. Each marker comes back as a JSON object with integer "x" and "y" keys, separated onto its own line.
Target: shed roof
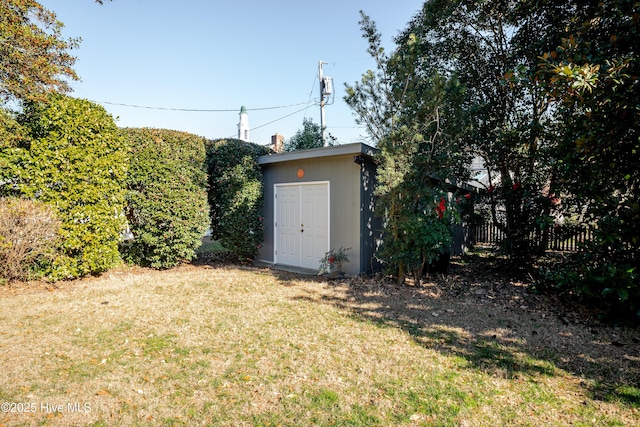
{"x": 340, "y": 150}
{"x": 314, "y": 153}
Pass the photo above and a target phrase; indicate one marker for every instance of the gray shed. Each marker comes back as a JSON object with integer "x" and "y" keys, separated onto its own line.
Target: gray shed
{"x": 317, "y": 200}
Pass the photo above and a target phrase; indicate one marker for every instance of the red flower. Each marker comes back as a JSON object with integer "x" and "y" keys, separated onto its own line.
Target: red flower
{"x": 491, "y": 189}
{"x": 516, "y": 186}
{"x": 441, "y": 208}
{"x": 467, "y": 196}
{"x": 332, "y": 259}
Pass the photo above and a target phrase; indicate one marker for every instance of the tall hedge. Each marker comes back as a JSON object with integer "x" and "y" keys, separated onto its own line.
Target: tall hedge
{"x": 166, "y": 196}
{"x": 235, "y": 195}
{"x": 71, "y": 157}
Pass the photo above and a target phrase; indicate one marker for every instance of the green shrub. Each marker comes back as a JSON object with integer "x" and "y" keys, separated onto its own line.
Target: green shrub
{"x": 28, "y": 233}
{"x": 422, "y": 237}
{"x": 235, "y": 195}
{"x": 604, "y": 272}
{"x": 73, "y": 159}
{"x": 166, "y": 196}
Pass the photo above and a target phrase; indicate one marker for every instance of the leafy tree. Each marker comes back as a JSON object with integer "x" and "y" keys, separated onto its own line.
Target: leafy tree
{"x": 492, "y": 47}
{"x": 592, "y": 75}
{"x": 166, "y": 196}
{"x": 310, "y": 136}
{"x": 235, "y": 195}
{"x": 34, "y": 57}
{"x": 568, "y": 130}
{"x": 73, "y": 159}
{"x": 409, "y": 115}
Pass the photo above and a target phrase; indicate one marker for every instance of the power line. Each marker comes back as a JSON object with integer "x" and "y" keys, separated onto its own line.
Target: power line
{"x": 221, "y": 110}
{"x": 227, "y": 110}
{"x": 224, "y": 110}
{"x": 283, "y": 117}
{"x": 346, "y": 127}
{"x": 313, "y": 85}
{"x": 276, "y": 120}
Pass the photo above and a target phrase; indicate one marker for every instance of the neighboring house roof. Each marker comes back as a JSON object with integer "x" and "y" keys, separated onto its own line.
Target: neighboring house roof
{"x": 314, "y": 153}
{"x": 479, "y": 174}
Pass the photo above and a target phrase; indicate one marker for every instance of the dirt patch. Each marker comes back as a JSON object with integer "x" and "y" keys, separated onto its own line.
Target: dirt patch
{"x": 476, "y": 313}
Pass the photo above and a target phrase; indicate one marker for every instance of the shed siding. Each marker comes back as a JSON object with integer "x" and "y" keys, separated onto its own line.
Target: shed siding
{"x": 370, "y": 224}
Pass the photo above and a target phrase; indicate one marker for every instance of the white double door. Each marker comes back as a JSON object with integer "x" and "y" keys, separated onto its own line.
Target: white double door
{"x": 302, "y": 224}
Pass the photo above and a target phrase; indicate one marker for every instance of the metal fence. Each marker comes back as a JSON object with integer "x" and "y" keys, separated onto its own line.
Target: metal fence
{"x": 558, "y": 237}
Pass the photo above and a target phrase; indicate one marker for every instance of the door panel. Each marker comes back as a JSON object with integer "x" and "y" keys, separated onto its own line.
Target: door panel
{"x": 314, "y": 217}
{"x": 288, "y": 225}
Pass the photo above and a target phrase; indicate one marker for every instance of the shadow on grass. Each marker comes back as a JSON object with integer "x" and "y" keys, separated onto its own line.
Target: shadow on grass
{"x": 500, "y": 336}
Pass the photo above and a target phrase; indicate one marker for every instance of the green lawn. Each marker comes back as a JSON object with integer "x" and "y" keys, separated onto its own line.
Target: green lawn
{"x": 234, "y": 346}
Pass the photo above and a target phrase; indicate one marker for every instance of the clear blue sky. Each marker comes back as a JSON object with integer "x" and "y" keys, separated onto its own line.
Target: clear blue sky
{"x": 222, "y": 54}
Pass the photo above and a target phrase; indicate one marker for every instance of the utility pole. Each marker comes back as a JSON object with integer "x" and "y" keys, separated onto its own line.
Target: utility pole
{"x": 325, "y": 90}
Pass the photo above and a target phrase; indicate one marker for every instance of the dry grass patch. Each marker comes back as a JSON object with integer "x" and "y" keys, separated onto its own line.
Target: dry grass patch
{"x": 245, "y": 346}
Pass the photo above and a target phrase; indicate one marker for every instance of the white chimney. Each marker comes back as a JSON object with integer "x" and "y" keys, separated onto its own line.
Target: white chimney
{"x": 243, "y": 125}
